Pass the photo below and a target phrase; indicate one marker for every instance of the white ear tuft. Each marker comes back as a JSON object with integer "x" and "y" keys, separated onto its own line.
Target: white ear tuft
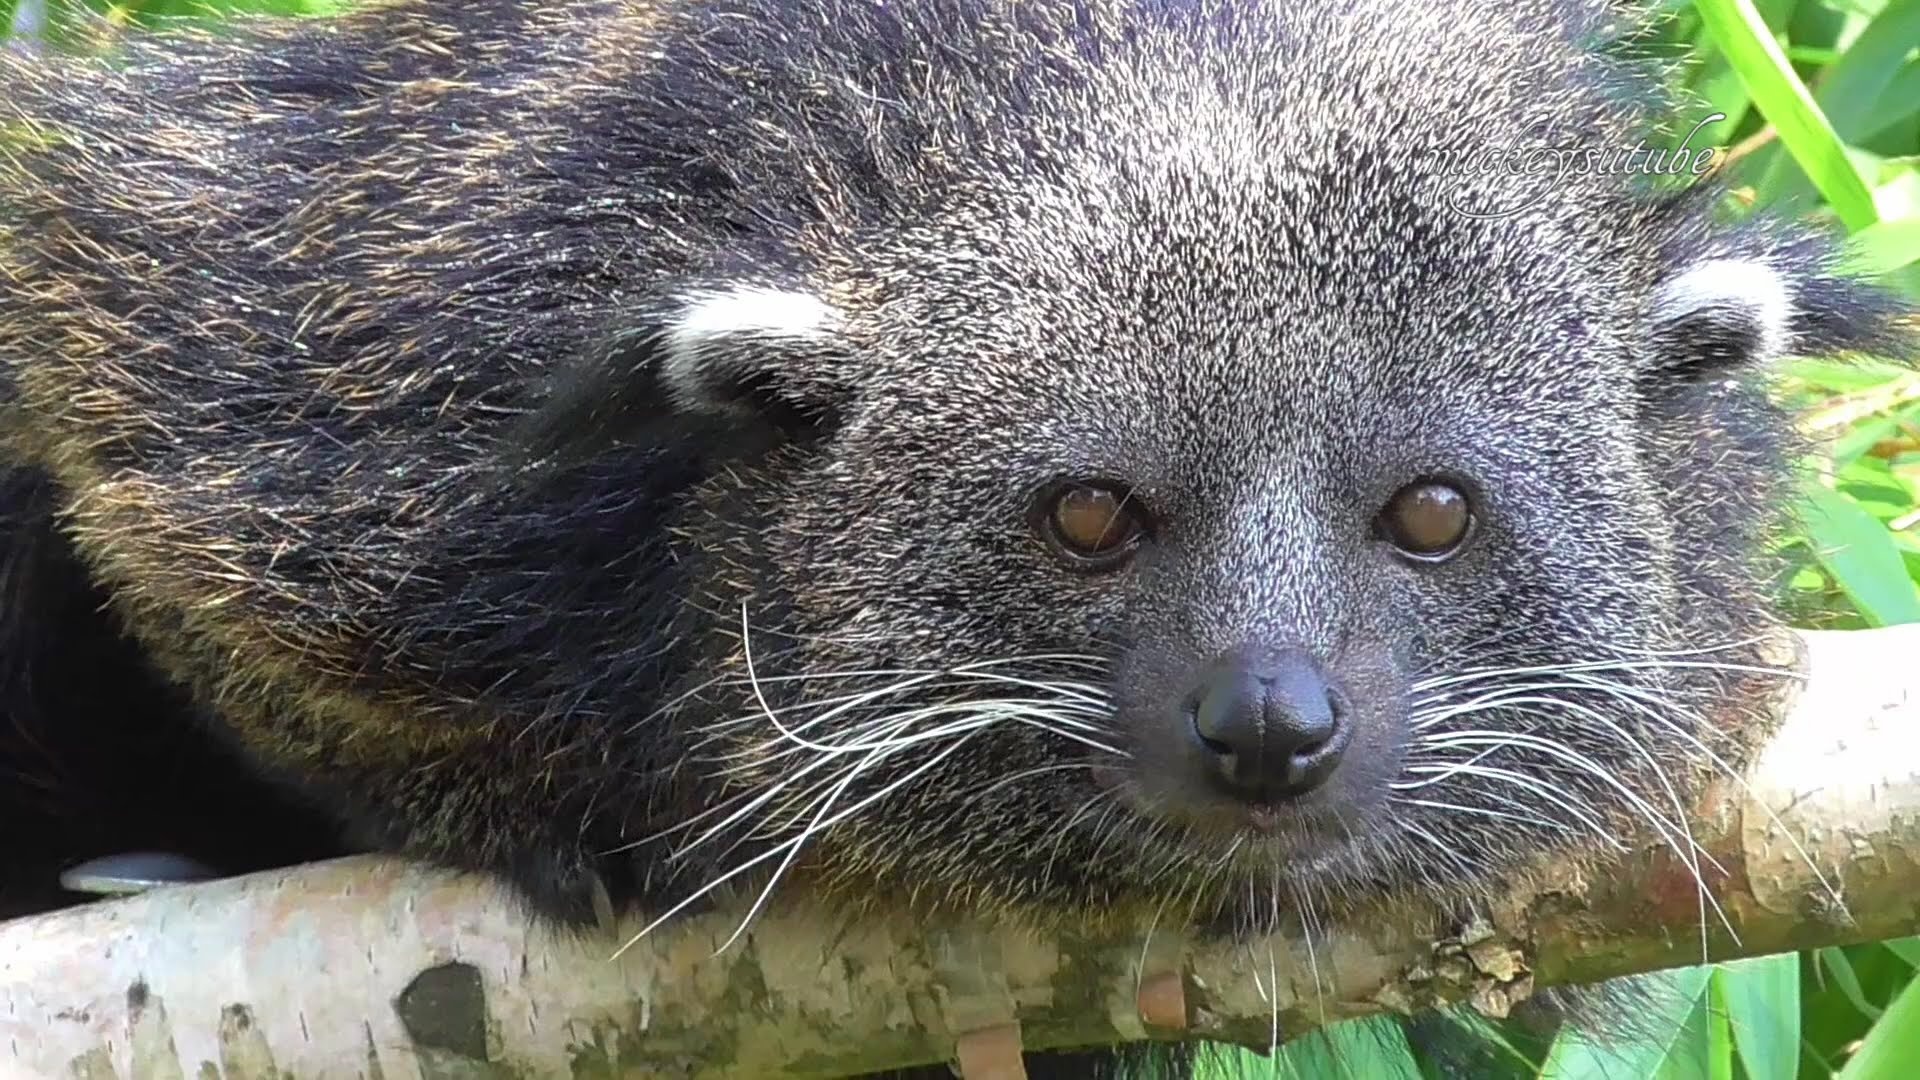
{"x": 1745, "y": 302}
{"x": 719, "y": 338}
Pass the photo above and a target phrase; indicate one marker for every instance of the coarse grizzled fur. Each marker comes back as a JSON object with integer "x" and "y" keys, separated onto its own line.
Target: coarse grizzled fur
{"x": 594, "y": 443}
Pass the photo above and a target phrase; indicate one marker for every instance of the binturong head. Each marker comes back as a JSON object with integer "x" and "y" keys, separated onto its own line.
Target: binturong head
{"x": 1183, "y": 498}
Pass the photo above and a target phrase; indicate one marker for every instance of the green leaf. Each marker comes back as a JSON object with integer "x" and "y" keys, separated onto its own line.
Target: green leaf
{"x": 1511, "y": 1052}
{"x": 1885, "y": 246}
{"x": 1672, "y": 1039}
{"x": 1811, "y": 54}
{"x": 1742, "y": 36}
{"x": 1761, "y": 999}
{"x": 1716, "y": 83}
{"x": 1835, "y": 963}
{"x": 1361, "y": 1049}
{"x": 1853, "y": 88}
{"x": 1899, "y": 104}
{"x": 1891, "y": 1050}
{"x": 1839, "y": 377}
{"x": 1859, "y": 552}
{"x": 1906, "y": 948}
{"x": 1719, "y": 1063}
{"x": 1872, "y": 483}
{"x": 1864, "y": 435}
{"x": 1896, "y": 186}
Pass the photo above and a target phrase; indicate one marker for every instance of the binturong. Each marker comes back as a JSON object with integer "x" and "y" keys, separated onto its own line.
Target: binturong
{"x": 1052, "y": 458}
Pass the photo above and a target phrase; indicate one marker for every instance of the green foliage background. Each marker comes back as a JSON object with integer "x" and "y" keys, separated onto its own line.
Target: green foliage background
{"x": 1822, "y": 107}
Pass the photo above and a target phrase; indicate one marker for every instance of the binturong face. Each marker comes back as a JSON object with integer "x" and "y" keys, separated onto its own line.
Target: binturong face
{"x": 1157, "y": 545}
{"x": 1223, "y": 516}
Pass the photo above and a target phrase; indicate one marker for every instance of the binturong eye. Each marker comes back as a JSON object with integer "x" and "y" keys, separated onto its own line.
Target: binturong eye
{"x": 1427, "y": 520}
{"x": 1094, "y": 526}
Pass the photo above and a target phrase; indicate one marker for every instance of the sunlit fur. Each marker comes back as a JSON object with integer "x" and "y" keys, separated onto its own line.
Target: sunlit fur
{"x": 350, "y": 349}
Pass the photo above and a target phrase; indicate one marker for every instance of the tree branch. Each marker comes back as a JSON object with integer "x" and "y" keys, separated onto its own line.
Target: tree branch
{"x": 380, "y": 968}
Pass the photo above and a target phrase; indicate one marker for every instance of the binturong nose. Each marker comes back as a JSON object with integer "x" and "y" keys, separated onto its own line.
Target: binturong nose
{"x": 1269, "y": 723}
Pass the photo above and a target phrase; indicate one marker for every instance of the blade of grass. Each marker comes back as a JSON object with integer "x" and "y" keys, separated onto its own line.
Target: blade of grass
{"x": 1742, "y": 36}
{"x": 1715, "y": 1015}
{"x": 1762, "y": 1002}
{"x": 1885, "y": 246}
{"x": 1840, "y": 969}
{"x": 1671, "y": 1044}
{"x": 1907, "y": 949}
{"x": 1891, "y": 1050}
{"x": 1858, "y": 551}
{"x": 1853, "y": 89}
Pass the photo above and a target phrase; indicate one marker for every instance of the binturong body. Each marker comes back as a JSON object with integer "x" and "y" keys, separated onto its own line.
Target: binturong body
{"x": 1060, "y": 458}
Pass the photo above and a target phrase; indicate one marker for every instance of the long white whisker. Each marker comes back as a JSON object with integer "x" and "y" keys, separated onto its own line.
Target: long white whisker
{"x": 1653, "y": 705}
{"x": 1645, "y": 702}
{"x": 1668, "y": 832}
{"x": 1691, "y": 854}
{"x": 1485, "y": 674}
{"x": 793, "y": 843}
{"x": 1525, "y": 819}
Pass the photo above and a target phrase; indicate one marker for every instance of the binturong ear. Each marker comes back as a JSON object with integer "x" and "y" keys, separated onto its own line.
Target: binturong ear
{"x": 1719, "y": 312}
{"x": 734, "y": 354}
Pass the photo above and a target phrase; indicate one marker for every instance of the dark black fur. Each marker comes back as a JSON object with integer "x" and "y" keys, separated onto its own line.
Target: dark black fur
{"x": 99, "y": 754}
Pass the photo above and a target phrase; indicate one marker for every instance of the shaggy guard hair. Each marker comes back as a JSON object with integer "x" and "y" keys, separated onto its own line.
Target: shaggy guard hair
{"x": 593, "y": 443}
